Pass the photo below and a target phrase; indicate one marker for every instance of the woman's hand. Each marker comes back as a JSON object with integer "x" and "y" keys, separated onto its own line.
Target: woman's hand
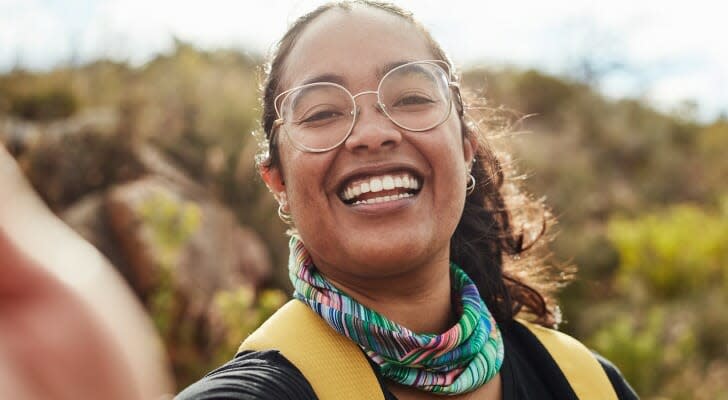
{"x": 69, "y": 326}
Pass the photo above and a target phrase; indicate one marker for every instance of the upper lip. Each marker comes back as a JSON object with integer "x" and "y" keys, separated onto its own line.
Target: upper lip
{"x": 376, "y": 169}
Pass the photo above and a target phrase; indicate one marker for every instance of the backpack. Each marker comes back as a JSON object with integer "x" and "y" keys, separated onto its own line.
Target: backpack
{"x": 337, "y": 369}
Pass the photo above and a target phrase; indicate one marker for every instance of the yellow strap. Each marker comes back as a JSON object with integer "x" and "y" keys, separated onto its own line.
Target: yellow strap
{"x": 584, "y": 373}
{"x": 333, "y": 365}
{"x": 336, "y": 368}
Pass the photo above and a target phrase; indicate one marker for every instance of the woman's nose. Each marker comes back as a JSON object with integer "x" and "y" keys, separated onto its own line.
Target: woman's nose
{"x": 372, "y": 129}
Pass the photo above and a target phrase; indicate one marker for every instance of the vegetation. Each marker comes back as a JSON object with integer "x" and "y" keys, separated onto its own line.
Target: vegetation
{"x": 672, "y": 270}
{"x": 640, "y": 196}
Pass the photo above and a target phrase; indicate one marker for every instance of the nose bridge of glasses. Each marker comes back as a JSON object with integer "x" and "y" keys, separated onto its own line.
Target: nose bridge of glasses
{"x": 374, "y": 92}
{"x": 379, "y": 106}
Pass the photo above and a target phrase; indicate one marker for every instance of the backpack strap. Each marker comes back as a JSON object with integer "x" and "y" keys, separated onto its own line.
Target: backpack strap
{"x": 581, "y": 369}
{"x": 335, "y": 366}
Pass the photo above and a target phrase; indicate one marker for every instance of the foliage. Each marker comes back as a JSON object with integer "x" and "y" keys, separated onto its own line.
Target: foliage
{"x": 36, "y": 98}
{"x": 49, "y": 105}
{"x": 678, "y": 252}
{"x": 240, "y": 313}
{"x": 170, "y": 224}
{"x": 234, "y": 313}
{"x": 636, "y": 340}
{"x": 671, "y": 291}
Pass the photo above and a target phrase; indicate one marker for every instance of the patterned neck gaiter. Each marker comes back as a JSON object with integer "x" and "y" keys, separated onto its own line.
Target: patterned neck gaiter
{"x": 457, "y": 361}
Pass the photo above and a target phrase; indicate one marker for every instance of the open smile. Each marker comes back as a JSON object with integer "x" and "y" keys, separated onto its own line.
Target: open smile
{"x": 381, "y": 188}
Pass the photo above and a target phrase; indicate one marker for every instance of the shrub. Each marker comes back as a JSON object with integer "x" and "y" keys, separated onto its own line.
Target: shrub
{"x": 51, "y": 104}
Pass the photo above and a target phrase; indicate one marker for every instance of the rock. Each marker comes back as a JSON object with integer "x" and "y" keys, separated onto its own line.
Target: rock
{"x": 88, "y": 218}
{"x": 127, "y": 229}
{"x": 221, "y": 255}
{"x": 218, "y": 254}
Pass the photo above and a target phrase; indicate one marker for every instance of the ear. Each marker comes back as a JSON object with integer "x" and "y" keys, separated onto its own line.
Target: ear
{"x": 470, "y": 147}
{"x": 273, "y": 179}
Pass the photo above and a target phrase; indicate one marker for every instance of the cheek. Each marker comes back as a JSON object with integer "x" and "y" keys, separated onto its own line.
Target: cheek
{"x": 449, "y": 151}
{"x": 451, "y": 181}
{"x": 304, "y": 176}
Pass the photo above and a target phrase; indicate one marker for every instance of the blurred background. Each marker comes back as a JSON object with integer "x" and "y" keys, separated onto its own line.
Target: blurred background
{"x": 133, "y": 121}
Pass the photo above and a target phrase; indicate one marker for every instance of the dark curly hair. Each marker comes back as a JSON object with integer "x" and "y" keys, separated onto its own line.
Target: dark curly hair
{"x": 511, "y": 272}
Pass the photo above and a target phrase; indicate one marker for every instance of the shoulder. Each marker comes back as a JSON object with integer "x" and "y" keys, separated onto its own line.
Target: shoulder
{"x": 552, "y": 350}
{"x": 621, "y": 386}
{"x": 252, "y": 375}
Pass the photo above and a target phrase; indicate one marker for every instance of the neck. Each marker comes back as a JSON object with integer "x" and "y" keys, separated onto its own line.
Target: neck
{"x": 418, "y": 299}
{"x": 376, "y": 312}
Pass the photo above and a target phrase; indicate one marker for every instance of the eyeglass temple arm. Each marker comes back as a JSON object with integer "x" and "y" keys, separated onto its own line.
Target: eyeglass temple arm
{"x": 273, "y": 132}
{"x": 459, "y": 96}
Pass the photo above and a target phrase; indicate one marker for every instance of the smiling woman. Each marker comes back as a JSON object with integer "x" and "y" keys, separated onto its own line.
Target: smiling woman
{"x": 403, "y": 256}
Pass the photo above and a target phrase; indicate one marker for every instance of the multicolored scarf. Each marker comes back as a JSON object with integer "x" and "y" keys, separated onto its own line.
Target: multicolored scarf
{"x": 457, "y": 361}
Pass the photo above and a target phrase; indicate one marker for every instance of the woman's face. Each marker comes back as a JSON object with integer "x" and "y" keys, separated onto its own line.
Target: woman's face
{"x": 383, "y": 239}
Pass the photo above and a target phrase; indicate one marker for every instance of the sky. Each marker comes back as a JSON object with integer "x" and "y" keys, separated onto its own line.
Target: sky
{"x": 666, "y": 52}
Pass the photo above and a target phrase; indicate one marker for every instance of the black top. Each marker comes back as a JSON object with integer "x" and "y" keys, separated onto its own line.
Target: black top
{"x": 528, "y": 373}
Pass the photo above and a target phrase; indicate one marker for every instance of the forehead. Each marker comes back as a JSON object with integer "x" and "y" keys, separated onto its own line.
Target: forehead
{"x": 354, "y": 44}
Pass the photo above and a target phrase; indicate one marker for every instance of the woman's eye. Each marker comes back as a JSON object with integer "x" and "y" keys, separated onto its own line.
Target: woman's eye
{"x": 413, "y": 100}
{"x": 321, "y": 116}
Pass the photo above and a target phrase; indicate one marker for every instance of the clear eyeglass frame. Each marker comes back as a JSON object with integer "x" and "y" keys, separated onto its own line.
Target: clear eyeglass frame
{"x": 443, "y": 65}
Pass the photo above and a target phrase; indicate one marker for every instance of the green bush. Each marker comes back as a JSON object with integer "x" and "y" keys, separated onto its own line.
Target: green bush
{"x": 664, "y": 325}
{"x": 676, "y": 252}
{"x": 55, "y": 103}
{"x": 646, "y": 346}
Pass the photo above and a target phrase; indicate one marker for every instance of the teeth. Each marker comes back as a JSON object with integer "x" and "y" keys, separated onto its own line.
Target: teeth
{"x": 378, "y": 183}
{"x": 383, "y": 199}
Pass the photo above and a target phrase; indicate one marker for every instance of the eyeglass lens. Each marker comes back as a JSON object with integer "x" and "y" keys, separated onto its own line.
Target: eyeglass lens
{"x": 415, "y": 96}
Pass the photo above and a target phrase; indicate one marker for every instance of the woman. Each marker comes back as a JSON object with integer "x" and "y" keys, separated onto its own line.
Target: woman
{"x": 401, "y": 229}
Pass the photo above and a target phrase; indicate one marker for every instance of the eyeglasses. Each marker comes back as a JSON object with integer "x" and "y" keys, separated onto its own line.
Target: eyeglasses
{"x": 320, "y": 116}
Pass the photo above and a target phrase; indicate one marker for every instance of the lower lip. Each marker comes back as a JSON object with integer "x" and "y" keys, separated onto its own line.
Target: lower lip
{"x": 384, "y": 207}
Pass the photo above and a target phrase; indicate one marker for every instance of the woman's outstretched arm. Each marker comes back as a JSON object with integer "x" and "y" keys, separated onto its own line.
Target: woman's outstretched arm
{"x": 59, "y": 298}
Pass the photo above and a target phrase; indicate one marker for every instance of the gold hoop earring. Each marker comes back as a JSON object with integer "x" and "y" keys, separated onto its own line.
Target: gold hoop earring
{"x": 284, "y": 216}
{"x": 470, "y": 187}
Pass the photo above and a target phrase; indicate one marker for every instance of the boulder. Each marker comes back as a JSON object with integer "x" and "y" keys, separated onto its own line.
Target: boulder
{"x": 217, "y": 254}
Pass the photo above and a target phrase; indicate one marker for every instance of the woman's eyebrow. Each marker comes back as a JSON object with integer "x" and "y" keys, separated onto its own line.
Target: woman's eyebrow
{"x": 390, "y": 66}
{"x": 338, "y": 79}
{"x": 328, "y": 77}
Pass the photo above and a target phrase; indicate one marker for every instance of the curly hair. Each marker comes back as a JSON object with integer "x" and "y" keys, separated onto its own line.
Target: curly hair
{"x": 512, "y": 274}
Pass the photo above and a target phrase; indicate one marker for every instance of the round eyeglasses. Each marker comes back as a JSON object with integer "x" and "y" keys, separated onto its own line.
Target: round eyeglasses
{"x": 320, "y": 116}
